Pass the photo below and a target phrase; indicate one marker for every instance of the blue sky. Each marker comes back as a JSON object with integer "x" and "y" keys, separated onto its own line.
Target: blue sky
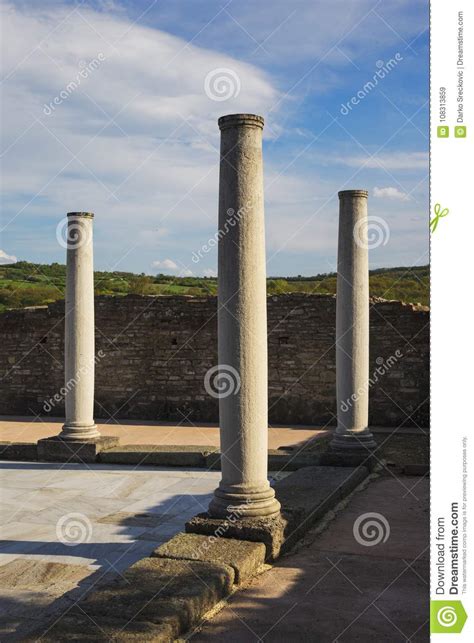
{"x": 110, "y": 106}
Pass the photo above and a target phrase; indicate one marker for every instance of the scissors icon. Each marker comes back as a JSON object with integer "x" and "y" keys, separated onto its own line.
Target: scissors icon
{"x": 439, "y": 214}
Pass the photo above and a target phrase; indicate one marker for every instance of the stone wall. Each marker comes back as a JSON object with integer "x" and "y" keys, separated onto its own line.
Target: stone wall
{"x": 157, "y": 350}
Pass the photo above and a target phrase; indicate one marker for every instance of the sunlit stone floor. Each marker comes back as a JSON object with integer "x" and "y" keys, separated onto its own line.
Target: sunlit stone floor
{"x": 66, "y": 527}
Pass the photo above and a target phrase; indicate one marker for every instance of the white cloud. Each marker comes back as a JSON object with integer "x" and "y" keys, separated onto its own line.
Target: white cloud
{"x": 5, "y": 259}
{"x": 166, "y": 264}
{"x": 209, "y": 272}
{"x": 170, "y": 266}
{"x": 390, "y": 193}
{"x": 136, "y": 142}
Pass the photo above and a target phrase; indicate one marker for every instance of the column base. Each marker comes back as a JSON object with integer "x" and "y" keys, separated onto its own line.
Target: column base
{"x": 238, "y": 502}
{"x": 353, "y": 443}
{"x": 79, "y": 432}
{"x": 61, "y": 449}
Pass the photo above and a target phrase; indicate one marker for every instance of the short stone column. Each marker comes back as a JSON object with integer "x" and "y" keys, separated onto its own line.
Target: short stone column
{"x": 244, "y": 490}
{"x": 79, "y": 365}
{"x": 79, "y": 440}
{"x": 352, "y": 325}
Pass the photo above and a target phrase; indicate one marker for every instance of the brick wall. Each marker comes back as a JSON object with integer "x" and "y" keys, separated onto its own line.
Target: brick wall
{"x": 158, "y": 349}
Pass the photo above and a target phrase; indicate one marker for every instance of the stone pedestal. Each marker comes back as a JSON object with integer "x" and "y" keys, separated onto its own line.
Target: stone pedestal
{"x": 244, "y": 490}
{"x": 59, "y": 449}
{"x": 352, "y": 326}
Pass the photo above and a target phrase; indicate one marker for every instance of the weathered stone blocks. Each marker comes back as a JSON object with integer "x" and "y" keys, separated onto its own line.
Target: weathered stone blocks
{"x": 243, "y": 556}
{"x": 153, "y": 600}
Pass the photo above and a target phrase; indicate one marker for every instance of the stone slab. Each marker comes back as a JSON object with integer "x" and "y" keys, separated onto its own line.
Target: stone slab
{"x": 308, "y": 494}
{"x": 243, "y": 556}
{"x": 277, "y": 460}
{"x": 337, "y": 459}
{"x": 158, "y": 455}
{"x": 317, "y": 489}
{"x": 269, "y": 531}
{"x": 58, "y": 450}
{"x": 19, "y": 451}
{"x": 155, "y": 597}
{"x": 305, "y": 496}
{"x": 77, "y": 627}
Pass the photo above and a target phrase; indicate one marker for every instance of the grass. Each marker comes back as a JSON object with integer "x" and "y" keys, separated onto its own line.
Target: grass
{"x": 28, "y": 284}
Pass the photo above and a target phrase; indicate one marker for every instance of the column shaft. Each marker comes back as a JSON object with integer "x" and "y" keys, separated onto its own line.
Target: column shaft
{"x": 79, "y": 330}
{"x": 352, "y": 324}
{"x": 242, "y": 323}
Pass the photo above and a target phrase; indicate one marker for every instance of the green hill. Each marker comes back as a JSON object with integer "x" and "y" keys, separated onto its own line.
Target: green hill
{"x": 29, "y": 284}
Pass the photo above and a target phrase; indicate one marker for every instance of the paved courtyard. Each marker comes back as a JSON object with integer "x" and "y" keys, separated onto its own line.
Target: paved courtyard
{"x": 66, "y": 527}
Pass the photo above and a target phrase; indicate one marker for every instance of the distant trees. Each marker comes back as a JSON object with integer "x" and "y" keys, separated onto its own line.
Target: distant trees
{"x": 28, "y": 284}
{"x": 277, "y": 286}
{"x": 140, "y": 285}
{"x": 12, "y": 296}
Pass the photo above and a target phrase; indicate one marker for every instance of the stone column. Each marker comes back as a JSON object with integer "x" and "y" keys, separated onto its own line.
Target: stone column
{"x": 352, "y": 325}
{"x": 242, "y": 324}
{"x": 79, "y": 330}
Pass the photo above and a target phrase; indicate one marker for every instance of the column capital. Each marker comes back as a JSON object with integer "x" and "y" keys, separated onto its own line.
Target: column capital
{"x": 344, "y": 194}
{"x": 84, "y": 215}
{"x": 240, "y": 120}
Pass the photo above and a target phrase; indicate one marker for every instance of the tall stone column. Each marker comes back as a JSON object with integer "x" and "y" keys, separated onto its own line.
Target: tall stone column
{"x": 244, "y": 490}
{"x": 79, "y": 330}
{"x": 352, "y": 325}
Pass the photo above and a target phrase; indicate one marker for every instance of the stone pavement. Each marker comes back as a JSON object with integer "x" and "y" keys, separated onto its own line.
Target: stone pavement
{"x": 66, "y": 527}
{"x": 30, "y": 429}
{"x": 334, "y": 589}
